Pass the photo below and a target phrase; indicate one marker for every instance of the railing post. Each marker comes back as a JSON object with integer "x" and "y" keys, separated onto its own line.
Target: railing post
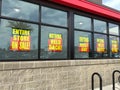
{"x": 113, "y": 78}
{"x": 119, "y": 79}
{"x": 92, "y": 81}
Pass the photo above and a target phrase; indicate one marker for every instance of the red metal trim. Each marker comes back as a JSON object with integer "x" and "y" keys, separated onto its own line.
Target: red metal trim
{"x": 91, "y": 7}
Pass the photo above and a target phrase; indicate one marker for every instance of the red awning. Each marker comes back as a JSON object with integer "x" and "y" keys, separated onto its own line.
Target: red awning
{"x": 84, "y": 5}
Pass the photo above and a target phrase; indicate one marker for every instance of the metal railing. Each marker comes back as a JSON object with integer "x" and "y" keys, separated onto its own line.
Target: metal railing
{"x": 113, "y": 78}
{"x": 119, "y": 79}
{"x": 100, "y": 79}
{"x": 92, "y": 81}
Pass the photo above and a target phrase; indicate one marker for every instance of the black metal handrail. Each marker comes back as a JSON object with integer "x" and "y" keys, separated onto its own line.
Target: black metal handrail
{"x": 119, "y": 79}
{"x": 113, "y": 78}
{"x": 92, "y": 81}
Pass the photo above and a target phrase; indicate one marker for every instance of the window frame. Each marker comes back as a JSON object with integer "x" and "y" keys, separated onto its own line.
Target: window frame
{"x": 90, "y": 42}
{"x": 118, "y": 44}
{"x": 83, "y": 17}
{"x": 70, "y": 28}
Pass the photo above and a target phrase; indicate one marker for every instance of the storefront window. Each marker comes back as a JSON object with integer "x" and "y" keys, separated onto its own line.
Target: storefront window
{"x": 113, "y": 29}
{"x": 81, "y": 22}
{"x": 19, "y": 40}
{"x": 53, "y": 43}
{"x": 82, "y": 45}
{"x": 54, "y": 17}
{"x": 20, "y": 10}
{"x": 36, "y": 31}
{"x": 100, "y": 26}
{"x": 100, "y": 46}
{"x": 114, "y": 47}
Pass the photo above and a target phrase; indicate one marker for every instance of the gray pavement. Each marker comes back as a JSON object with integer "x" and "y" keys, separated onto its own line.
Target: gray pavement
{"x": 109, "y": 87}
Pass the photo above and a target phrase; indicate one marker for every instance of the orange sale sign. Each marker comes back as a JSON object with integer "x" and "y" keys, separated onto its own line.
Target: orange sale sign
{"x": 20, "y": 40}
{"x": 55, "y": 42}
{"x": 84, "y": 44}
{"x": 114, "y": 46}
{"x": 100, "y": 45}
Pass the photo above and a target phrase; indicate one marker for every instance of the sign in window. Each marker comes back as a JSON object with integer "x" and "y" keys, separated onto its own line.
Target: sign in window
{"x": 55, "y": 42}
{"x": 20, "y": 40}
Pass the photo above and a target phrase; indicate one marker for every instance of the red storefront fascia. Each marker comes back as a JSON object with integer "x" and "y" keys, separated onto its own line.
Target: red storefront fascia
{"x": 90, "y": 7}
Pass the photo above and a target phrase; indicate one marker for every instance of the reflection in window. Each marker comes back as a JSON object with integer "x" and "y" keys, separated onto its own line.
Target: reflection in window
{"x": 53, "y": 16}
{"x": 100, "y": 46}
{"x": 114, "y": 46}
{"x": 20, "y": 9}
{"x": 100, "y": 26}
{"x": 19, "y": 40}
{"x": 82, "y": 45}
{"x": 81, "y": 22}
{"x": 53, "y": 43}
{"x": 113, "y": 29}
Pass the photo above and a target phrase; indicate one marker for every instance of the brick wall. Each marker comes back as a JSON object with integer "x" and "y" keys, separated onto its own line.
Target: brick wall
{"x": 55, "y": 75}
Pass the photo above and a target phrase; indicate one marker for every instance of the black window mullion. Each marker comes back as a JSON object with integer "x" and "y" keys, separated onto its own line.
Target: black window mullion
{"x": 92, "y": 36}
{"x": 119, "y": 30}
{"x": 108, "y": 40}
{"x": 71, "y": 35}
{"x": 39, "y": 34}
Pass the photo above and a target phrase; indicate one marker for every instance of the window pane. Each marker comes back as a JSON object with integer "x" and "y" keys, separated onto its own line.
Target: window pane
{"x": 100, "y": 46}
{"x": 82, "y": 44}
{"x": 53, "y": 16}
{"x": 100, "y": 26}
{"x": 20, "y": 9}
{"x": 19, "y": 40}
{"x": 113, "y": 29}
{"x": 53, "y": 43}
{"x": 81, "y": 22}
{"x": 114, "y": 46}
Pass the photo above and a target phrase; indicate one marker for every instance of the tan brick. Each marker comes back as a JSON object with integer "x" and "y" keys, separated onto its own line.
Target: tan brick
{"x": 2, "y": 88}
{"x": 56, "y": 75}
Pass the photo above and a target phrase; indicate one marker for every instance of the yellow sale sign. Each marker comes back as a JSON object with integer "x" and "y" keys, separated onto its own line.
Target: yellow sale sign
{"x": 20, "y": 40}
{"x": 100, "y": 45}
{"x": 114, "y": 46}
{"x": 55, "y": 42}
{"x": 84, "y": 44}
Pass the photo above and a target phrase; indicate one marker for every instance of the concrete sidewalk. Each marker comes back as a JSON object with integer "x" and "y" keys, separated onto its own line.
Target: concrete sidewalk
{"x": 109, "y": 87}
